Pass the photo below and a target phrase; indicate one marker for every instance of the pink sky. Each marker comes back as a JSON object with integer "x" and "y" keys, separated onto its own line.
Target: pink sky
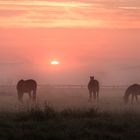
{"x": 98, "y": 38}
{"x": 67, "y": 13}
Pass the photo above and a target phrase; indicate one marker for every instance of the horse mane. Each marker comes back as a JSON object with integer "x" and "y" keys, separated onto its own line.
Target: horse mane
{"x": 21, "y": 80}
{"x": 127, "y": 93}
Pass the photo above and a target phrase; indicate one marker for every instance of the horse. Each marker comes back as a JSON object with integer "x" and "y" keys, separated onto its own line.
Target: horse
{"x": 27, "y": 86}
{"x": 93, "y": 87}
{"x": 133, "y": 90}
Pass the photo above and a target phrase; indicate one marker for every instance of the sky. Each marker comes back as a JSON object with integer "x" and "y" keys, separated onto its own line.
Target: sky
{"x": 87, "y": 37}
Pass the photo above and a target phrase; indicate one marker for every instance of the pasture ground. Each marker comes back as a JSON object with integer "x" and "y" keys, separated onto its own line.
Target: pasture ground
{"x": 66, "y": 114}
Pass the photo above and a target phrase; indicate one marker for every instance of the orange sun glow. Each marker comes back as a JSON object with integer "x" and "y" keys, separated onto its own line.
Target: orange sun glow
{"x": 54, "y": 62}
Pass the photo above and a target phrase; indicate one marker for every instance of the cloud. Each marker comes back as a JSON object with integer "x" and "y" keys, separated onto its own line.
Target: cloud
{"x": 131, "y": 67}
{"x": 81, "y": 13}
{"x": 10, "y": 13}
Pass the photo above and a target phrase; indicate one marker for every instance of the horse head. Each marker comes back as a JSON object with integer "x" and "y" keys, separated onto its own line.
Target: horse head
{"x": 91, "y": 77}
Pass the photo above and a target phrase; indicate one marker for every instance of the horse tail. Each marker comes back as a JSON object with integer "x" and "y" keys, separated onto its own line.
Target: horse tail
{"x": 19, "y": 89}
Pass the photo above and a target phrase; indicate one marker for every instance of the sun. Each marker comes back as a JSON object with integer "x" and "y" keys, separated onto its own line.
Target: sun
{"x": 55, "y": 62}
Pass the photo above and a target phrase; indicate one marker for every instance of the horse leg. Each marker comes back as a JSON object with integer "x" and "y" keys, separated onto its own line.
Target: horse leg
{"x": 90, "y": 95}
{"x": 97, "y": 95}
{"x": 132, "y": 98}
{"x": 94, "y": 94}
{"x": 34, "y": 96}
{"x": 30, "y": 97}
{"x": 20, "y": 97}
{"x": 136, "y": 98}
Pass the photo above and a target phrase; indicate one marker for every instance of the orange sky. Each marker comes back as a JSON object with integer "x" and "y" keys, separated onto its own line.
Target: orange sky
{"x": 67, "y": 13}
{"x": 98, "y": 38}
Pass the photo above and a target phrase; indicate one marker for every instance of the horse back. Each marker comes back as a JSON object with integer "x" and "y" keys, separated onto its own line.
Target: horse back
{"x": 27, "y": 85}
{"x": 30, "y": 84}
{"x": 93, "y": 85}
{"x": 133, "y": 89}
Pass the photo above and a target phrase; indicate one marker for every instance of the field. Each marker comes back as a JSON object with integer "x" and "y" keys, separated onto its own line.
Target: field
{"x": 111, "y": 99}
{"x": 65, "y": 113}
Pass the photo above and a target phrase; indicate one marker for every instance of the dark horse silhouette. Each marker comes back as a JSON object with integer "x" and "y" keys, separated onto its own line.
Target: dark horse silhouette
{"x": 93, "y": 87}
{"x": 27, "y": 86}
{"x": 133, "y": 90}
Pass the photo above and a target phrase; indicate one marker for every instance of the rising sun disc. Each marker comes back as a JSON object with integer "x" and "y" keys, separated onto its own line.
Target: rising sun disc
{"x": 54, "y": 62}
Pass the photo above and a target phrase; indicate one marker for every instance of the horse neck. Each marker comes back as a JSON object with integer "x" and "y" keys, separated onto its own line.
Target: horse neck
{"x": 92, "y": 80}
{"x": 127, "y": 94}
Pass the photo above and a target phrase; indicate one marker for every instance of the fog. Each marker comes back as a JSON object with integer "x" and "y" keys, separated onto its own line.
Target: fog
{"x": 111, "y": 55}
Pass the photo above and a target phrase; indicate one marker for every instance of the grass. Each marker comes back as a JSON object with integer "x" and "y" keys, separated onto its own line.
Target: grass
{"x": 38, "y": 123}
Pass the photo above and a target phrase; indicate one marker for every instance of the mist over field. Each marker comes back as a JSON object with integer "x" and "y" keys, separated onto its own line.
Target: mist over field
{"x": 110, "y": 98}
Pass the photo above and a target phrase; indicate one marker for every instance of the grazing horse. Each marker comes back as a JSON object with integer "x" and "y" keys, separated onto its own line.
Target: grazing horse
{"x": 93, "y": 87}
{"x": 133, "y": 90}
{"x": 27, "y": 86}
